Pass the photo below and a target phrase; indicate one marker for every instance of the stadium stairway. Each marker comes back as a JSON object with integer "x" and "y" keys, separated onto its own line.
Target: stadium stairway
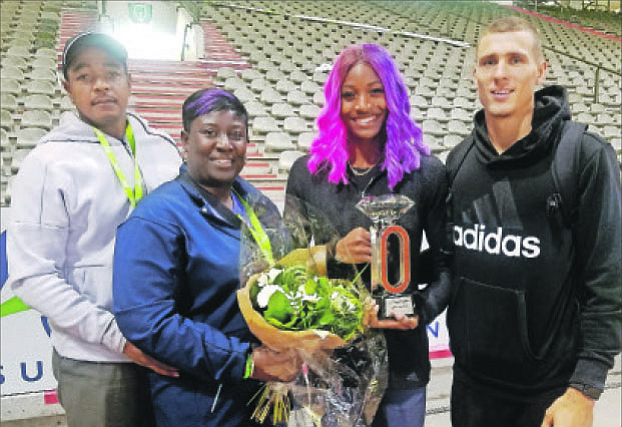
{"x": 159, "y": 88}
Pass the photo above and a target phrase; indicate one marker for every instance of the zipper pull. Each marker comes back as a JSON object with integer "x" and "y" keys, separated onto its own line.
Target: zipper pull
{"x": 216, "y": 397}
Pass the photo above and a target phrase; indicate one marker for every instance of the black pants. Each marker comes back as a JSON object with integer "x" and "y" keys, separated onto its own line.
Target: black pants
{"x": 472, "y": 407}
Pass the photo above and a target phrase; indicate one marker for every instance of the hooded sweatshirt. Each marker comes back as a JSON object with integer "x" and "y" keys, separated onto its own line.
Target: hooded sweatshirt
{"x": 535, "y": 305}
{"x": 67, "y": 204}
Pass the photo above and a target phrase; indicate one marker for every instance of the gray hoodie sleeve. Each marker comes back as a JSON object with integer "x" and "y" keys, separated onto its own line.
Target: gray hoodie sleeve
{"x": 38, "y": 251}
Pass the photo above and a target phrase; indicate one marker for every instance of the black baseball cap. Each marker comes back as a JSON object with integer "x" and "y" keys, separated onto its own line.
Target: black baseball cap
{"x": 92, "y": 38}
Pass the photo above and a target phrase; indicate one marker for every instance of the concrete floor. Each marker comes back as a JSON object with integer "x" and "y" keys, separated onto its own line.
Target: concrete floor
{"x": 608, "y": 412}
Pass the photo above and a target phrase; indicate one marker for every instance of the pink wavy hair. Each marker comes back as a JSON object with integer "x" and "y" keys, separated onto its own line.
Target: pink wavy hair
{"x": 403, "y": 143}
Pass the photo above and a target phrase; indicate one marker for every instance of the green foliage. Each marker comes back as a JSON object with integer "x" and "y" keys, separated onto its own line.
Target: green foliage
{"x": 291, "y": 299}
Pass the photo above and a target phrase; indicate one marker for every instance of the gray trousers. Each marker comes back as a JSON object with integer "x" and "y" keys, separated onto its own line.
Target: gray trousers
{"x": 97, "y": 394}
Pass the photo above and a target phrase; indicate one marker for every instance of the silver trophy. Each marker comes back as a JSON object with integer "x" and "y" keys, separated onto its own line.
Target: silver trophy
{"x": 384, "y": 212}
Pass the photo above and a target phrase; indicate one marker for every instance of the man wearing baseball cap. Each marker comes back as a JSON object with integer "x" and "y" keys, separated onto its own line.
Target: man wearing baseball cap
{"x": 72, "y": 191}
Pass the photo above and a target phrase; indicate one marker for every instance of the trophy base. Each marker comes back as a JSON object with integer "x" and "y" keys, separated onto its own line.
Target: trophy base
{"x": 391, "y": 305}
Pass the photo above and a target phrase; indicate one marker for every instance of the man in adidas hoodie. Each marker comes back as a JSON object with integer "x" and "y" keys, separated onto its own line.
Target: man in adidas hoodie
{"x": 534, "y": 316}
{"x": 72, "y": 191}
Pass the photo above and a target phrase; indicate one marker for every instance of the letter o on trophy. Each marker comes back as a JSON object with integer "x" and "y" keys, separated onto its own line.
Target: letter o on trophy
{"x": 404, "y": 252}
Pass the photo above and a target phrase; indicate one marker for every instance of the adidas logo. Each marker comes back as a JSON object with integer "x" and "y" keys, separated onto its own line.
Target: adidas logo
{"x": 496, "y": 243}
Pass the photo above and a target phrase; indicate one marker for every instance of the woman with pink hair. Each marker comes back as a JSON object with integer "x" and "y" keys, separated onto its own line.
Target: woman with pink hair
{"x": 368, "y": 145}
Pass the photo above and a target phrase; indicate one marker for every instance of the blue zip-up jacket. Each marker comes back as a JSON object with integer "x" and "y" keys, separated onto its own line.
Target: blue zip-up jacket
{"x": 176, "y": 274}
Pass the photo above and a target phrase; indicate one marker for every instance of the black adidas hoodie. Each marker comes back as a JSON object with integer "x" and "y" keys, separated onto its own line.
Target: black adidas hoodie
{"x": 534, "y": 305}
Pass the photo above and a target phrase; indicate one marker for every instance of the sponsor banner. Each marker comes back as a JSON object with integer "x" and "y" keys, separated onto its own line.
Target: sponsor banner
{"x": 26, "y": 350}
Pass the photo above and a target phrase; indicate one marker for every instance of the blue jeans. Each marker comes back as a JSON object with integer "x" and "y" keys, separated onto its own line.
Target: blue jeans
{"x": 401, "y": 408}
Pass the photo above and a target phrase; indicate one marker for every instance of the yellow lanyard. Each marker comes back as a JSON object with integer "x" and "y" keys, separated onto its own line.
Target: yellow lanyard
{"x": 135, "y": 195}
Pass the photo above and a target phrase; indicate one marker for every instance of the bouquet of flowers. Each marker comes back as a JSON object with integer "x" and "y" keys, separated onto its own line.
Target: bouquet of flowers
{"x": 291, "y": 303}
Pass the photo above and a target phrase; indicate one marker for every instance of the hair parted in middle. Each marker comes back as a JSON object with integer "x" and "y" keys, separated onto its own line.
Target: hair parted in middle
{"x": 403, "y": 142}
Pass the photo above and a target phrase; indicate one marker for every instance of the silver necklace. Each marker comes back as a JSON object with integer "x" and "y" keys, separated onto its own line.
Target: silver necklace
{"x": 363, "y": 172}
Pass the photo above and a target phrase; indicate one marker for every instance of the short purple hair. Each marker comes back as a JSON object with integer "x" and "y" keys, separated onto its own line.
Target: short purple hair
{"x": 205, "y": 101}
{"x": 403, "y": 142}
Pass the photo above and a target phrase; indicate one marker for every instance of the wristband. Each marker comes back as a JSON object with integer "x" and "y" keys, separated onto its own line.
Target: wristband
{"x": 250, "y": 366}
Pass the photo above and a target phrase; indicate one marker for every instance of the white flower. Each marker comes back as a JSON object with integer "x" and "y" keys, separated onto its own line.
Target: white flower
{"x": 263, "y": 298}
{"x": 273, "y": 273}
{"x": 268, "y": 277}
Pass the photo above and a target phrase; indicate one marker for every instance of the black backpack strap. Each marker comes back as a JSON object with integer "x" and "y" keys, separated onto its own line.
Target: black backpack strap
{"x": 453, "y": 164}
{"x": 565, "y": 171}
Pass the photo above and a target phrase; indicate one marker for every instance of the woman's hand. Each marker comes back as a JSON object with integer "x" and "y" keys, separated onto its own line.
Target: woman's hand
{"x": 140, "y": 358}
{"x": 355, "y": 248}
{"x": 275, "y": 366}
{"x": 398, "y": 322}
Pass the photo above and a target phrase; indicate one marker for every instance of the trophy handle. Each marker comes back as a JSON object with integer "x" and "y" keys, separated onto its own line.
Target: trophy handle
{"x": 404, "y": 240}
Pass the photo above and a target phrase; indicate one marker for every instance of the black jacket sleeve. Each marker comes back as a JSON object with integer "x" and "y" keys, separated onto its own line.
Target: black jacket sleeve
{"x": 598, "y": 243}
{"x": 435, "y": 297}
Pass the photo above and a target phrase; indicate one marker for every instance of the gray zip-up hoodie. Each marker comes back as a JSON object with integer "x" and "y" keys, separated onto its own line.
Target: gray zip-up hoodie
{"x": 67, "y": 203}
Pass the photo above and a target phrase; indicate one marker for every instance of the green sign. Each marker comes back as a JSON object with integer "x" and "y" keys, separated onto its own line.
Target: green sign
{"x": 140, "y": 13}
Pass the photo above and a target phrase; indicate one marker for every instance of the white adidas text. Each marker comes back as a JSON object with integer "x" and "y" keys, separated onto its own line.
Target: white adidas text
{"x": 496, "y": 243}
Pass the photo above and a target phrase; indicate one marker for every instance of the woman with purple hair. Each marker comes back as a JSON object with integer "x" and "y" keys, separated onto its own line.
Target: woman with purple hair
{"x": 368, "y": 145}
{"x": 176, "y": 275}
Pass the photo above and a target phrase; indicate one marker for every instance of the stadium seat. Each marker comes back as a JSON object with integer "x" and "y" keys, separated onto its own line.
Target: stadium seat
{"x": 19, "y": 51}
{"x": 260, "y": 84}
{"x": 264, "y": 124}
{"x": 38, "y": 102}
{"x": 286, "y": 85}
{"x": 47, "y": 52}
{"x": 233, "y": 83}
{"x": 8, "y": 102}
{"x": 278, "y": 141}
{"x": 226, "y": 72}
{"x": 11, "y": 86}
{"x": 281, "y": 110}
{"x": 244, "y": 95}
{"x": 21, "y": 42}
{"x": 309, "y": 87}
{"x": 437, "y": 114}
{"x": 458, "y": 127}
{"x": 432, "y": 127}
{"x": 44, "y": 87}
{"x": 42, "y": 74}
{"x": 309, "y": 111}
{"x": 297, "y": 98}
{"x": 9, "y": 72}
{"x": 4, "y": 139}
{"x": 6, "y": 120}
{"x": 304, "y": 140}
{"x": 14, "y": 62}
{"x": 27, "y": 138}
{"x": 249, "y": 74}
{"x": 270, "y": 96}
{"x": 287, "y": 159}
{"x": 461, "y": 114}
{"x": 451, "y": 140}
{"x": 298, "y": 76}
{"x": 294, "y": 125}
{"x": 275, "y": 75}
{"x": 255, "y": 108}
{"x": 36, "y": 118}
